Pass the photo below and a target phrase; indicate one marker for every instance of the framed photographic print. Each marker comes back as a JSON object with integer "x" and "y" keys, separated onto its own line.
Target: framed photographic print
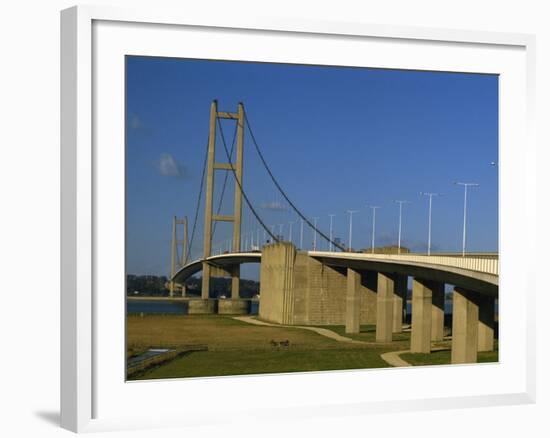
{"x": 317, "y": 216}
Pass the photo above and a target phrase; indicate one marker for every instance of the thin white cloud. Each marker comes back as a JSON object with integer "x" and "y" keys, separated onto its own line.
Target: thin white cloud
{"x": 275, "y": 206}
{"x": 168, "y": 166}
{"x": 135, "y": 122}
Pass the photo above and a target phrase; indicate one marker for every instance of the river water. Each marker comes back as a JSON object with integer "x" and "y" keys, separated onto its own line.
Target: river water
{"x": 181, "y": 307}
{"x": 161, "y": 307}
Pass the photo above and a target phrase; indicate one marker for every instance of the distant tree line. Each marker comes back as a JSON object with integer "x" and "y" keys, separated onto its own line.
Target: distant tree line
{"x": 153, "y": 285}
{"x": 221, "y": 286}
{"x": 148, "y": 285}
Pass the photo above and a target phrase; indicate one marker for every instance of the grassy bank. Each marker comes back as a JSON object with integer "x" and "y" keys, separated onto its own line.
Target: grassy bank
{"x": 228, "y": 363}
{"x": 443, "y": 357}
{"x": 236, "y": 348}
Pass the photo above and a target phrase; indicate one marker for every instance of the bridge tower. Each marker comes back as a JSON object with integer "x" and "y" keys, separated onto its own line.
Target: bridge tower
{"x": 209, "y": 216}
{"x": 175, "y": 261}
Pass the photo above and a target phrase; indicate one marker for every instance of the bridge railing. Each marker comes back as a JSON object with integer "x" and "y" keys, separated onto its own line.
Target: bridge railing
{"x": 489, "y": 265}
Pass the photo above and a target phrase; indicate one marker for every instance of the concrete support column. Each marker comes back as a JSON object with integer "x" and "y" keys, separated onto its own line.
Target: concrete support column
{"x": 486, "y": 323}
{"x": 369, "y": 284}
{"x": 173, "y": 256}
{"x": 277, "y": 292}
{"x": 205, "y": 288}
{"x": 384, "y": 307}
{"x": 209, "y": 195}
{"x": 438, "y": 311}
{"x": 421, "y": 330}
{"x": 353, "y": 301}
{"x": 183, "y": 290}
{"x": 399, "y": 300}
{"x": 465, "y": 327}
{"x": 235, "y": 276}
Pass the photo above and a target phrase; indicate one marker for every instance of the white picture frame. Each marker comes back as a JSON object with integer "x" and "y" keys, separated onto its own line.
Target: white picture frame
{"x": 85, "y": 317}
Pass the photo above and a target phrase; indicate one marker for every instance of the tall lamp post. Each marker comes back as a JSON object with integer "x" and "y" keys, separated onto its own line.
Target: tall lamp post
{"x": 430, "y": 196}
{"x": 465, "y": 185}
{"x": 373, "y": 208}
{"x": 330, "y": 231}
{"x": 400, "y": 216}
{"x": 301, "y": 234}
{"x": 350, "y": 212}
{"x": 315, "y": 233}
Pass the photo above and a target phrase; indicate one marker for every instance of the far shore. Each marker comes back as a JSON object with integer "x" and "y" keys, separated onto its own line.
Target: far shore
{"x": 175, "y": 298}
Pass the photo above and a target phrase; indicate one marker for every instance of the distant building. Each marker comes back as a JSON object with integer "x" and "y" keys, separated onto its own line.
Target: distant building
{"x": 390, "y": 249}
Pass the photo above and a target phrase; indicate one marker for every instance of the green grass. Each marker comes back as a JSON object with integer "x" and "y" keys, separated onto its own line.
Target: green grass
{"x": 367, "y": 333}
{"x": 220, "y": 333}
{"x": 226, "y": 363}
{"x": 443, "y": 357}
{"x": 236, "y": 347}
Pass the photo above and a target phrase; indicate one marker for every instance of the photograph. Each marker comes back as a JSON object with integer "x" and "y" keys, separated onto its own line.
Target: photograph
{"x": 291, "y": 218}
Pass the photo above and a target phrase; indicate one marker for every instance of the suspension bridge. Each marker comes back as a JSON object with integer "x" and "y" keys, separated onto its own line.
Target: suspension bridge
{"x": 338, "y": 286}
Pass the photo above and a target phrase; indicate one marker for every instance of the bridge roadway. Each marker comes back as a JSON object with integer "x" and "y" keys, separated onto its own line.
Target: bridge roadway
{"x": 478, "y": 272}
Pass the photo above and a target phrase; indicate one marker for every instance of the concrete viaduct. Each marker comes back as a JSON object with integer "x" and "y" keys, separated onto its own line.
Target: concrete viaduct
{"x": 345, "y": 288}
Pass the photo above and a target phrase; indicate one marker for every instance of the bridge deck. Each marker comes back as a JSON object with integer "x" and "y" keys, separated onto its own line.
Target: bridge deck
{"x": 478, "y": 271}
{"x": 487, "y": 264}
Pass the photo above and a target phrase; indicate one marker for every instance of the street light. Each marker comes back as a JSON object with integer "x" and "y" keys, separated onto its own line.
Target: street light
{"x": 350, "y": 212}
{"x": 430, "y": 195}
{"x": 290, "y": 232}
{"x": 330, "y": 231}
{"x": 301, "y": 234}
{"x": 466, "y": 185}
{"x": 400, "y": 215}
{"x": 373, "y": 207}
{"x": 315, "y": 233}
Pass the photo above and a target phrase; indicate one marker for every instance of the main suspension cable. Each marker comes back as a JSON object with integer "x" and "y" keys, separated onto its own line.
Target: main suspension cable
{"x": 298, "y": 212}
{"x": 199, "y": 197}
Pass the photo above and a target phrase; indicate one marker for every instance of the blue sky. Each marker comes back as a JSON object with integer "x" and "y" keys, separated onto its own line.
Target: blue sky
{"x": 336, "y": 138}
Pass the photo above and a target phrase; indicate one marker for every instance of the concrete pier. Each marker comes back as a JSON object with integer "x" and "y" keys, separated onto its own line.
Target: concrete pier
{"x": 235, "y": 277}
{"x": 276, "y": 281}
{"x": 438, "y": 311}
{"x": 205, "y": 287}
{"x": 486, "y": 323}
{"x": 421, "y": 316}
{"x": 465, "y": 327}
{"x": 353, "y": 301}
{"x": 427, "y": 314}
{"x": 202, "y": 307}
{"x": 399, "y": 300}
{"x": 298, "y": 289}
{"x": 384, "y": 308}
{"x": 369, "y": 286}
{"x": 233, "y": 307}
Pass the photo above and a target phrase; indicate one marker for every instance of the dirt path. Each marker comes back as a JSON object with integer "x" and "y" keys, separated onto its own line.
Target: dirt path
{"x": 392, "y": 358}
{"x": 321, "y": 331}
